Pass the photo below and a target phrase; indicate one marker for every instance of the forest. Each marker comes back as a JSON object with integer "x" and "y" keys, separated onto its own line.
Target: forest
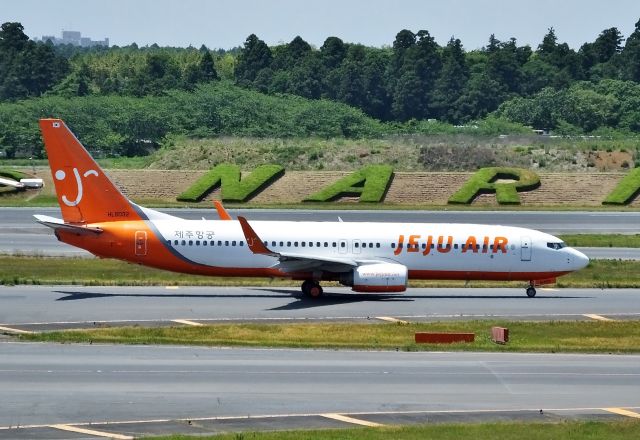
{"x": 125, "y": 100}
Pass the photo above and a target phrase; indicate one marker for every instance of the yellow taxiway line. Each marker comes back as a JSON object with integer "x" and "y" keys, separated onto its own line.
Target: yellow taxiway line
{"x": 17, "y": 331}
{"x": 391, "y": 319}
{"x": 623, "y": 412}
{"x": 347, "y": 419}
{"x": 187, "y": 322}
{"x": 79, "y": 430}
{"x": 597, "y": 317}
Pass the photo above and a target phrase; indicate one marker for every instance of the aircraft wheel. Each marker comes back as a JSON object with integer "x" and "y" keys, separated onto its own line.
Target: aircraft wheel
{"x": 306, "y": 287}
{"x": 531, "y": 291}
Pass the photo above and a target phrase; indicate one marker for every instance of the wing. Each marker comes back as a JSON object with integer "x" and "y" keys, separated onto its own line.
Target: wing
{"x": 295, "y": 262}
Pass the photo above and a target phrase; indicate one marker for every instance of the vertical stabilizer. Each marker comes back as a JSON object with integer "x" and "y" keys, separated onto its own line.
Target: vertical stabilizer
{"x": 85, "y": 193}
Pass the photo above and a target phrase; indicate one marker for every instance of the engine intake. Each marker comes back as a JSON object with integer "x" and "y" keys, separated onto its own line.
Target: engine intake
{"x": 377, "y": 277}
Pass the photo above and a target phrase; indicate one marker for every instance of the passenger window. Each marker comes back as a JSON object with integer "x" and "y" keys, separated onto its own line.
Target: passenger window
{"x": 212, "y": 243}
{"x": 424, "y": 245}
{"x": 393, "y": 245}
{"x": 241, "y": 243}
{"x": 455, "y": 246}
{"x": 295, "y": 244}
{"x": 226, "y": 243}
{"x": 219, "y": 242}
{"x": 343, "y": 244}
{"x": 281, "y": 243}
{"x": 288, "y": 244}
{"x": 197, "y": 242}
{"x": 355, "y": 244}
{"x": 190, "y": 242}
{"x": 175, "y": 242}
{"x": 318, "y": 244}
{"x": 334, "y": 244}
{"x": 303, "y": 243}
{"x": 326, "y": 244}
{"x": 377, "y": 245}
{"x": 273, "y": 243}
{"x": 311, "y": 244}
{"x": 204, "y": 242}
{"x": 233, "y": 243}
{"x": 183, "y": 242}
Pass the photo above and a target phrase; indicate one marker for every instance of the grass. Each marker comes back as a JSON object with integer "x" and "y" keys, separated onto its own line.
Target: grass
{"x": 506, "y": 193}
{"x": 574, "y": 430}
{"x": 233, "y": 188}
{"x": 17, "y": 269}
{"x": 626, "y": 190}
{"x": 544, "y": 337}
{"x": 601, "y": 240}
{"x": 370, "y": 184}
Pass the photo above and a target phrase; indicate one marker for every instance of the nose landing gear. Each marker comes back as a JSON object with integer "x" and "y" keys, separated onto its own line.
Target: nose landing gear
{"x": 312, "y": 289}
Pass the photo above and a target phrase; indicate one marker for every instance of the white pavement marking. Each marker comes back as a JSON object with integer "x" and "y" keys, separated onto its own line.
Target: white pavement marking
{"x": 623, "y": 412}
{"x": 597, "y": 317}
{"x": 79, "y": 430}
{"x": 187, "y": 322}
{"x": 390, "y": 319}
{"x": 347, "y": 419}
{"x": 16, "y": 331}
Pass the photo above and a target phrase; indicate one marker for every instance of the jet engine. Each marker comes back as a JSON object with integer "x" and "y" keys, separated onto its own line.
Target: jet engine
{"x": 377, "y": 278}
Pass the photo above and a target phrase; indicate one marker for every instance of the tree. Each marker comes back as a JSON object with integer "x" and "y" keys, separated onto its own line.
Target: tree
{"x": 207, "y": 68}
{"x": 631, "y": 55}
{"x": 332, "y": 52}
{"x": 27, "y": 68}
{"x": 253, "y": 57}
{"x": 451, "y": 82}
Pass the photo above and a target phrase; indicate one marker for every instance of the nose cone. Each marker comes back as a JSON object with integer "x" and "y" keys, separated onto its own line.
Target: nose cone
{"x": 578, "y": 260}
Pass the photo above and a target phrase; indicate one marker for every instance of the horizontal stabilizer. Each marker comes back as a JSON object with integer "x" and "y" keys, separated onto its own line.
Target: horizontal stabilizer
{"x": 56, "y": 223}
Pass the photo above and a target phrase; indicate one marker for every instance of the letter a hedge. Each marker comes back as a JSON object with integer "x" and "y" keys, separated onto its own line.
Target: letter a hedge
{"x": 626, "y": 190}
{"x": 370, "y": 183}
{"x": 233, "y": 188}
{"x": 484, "y": 182}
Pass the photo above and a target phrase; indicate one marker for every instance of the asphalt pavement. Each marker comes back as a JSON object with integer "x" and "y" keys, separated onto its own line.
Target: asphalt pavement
{"x": 192, "y": 390}
{"x": 53, "y": 307}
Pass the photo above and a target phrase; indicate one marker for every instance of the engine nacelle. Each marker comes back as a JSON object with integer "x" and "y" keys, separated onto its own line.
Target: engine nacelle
{"x": 377, "y": 277}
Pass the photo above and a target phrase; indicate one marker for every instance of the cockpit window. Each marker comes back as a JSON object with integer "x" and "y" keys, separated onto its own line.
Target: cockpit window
{"x": 557, "y": 245}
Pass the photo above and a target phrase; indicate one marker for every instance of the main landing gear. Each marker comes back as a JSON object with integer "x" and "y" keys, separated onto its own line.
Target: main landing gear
{"x": 531, "y": 291}
{"x": 312, "y": 289}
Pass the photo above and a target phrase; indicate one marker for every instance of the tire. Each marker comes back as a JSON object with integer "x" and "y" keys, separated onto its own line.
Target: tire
{"x": 306, "y": 287}
{"x": 531, "y": 292}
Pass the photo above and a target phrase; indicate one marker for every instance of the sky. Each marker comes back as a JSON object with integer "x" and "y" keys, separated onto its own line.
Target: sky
{"x": 226, "y": 23}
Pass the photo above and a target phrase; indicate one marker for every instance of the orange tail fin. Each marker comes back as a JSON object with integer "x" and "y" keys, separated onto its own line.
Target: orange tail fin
{"x": 85, "y": 193}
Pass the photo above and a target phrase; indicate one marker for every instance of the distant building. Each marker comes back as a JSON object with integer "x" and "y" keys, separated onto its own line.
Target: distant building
{"x": 75, "y": 38}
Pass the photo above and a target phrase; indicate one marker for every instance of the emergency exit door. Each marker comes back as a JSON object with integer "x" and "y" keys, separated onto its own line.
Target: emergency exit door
{"x": 525, "y": 248}
{"x": 141, "y": 243}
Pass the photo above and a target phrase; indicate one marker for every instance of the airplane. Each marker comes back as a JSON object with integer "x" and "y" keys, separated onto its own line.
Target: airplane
{"x": 371, "y": 257}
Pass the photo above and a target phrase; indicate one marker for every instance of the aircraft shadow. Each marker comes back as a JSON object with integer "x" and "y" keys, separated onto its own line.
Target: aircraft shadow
{"x": 74, "y": 296}
{"x": 329, "y": 299}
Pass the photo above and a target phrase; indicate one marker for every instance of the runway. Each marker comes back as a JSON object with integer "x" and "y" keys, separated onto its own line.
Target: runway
{"x": 20, "y": 234}
{"x": 36, "y": 308}
{"x": 44, "y": 384}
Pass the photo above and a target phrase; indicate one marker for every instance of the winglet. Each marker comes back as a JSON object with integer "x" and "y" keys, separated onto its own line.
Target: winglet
{"x": 254, "y": 242}
{"x": 222, "y": 213}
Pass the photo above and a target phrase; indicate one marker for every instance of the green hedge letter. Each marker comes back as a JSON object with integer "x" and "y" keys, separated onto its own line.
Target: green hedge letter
{"x": 370, "y": 183}
{"x": 232, "y": 187}
{"x": 484, "y": 182}
{"x": 626, "y": 190}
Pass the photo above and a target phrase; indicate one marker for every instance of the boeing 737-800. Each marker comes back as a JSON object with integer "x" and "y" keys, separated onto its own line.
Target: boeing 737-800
{"x": 368, "y": 257}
